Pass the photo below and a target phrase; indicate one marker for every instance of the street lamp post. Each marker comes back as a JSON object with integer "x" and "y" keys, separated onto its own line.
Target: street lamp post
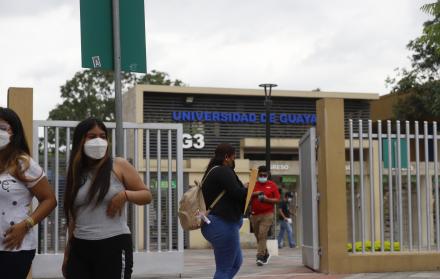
{"x": 267, "y": 103}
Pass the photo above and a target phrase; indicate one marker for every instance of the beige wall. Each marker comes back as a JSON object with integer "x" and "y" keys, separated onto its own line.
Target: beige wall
{"x": 20, "y": 100}
{"x": 331, "y": 183}
{"x": 132, "y": 106}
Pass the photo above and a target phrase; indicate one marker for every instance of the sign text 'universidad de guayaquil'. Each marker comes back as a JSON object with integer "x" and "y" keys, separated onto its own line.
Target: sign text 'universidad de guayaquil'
{"x": 241, "y": 117}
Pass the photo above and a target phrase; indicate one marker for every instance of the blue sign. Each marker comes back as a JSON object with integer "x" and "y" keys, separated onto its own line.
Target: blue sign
{"x": 244, "y": 117}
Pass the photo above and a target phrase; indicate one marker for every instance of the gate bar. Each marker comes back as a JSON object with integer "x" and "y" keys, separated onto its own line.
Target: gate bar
{"x": 434, "y": 126}
{"x": 372, "y": 217}
{"x": 409, "y": 185}
{"x": 390, "y": 185}
{"x": 419, "y": 213}
{"x": 353, "y": 221}
{"x": 399, "y": 183}
{"x": 159, "y": 196}
{"x": 427, "y": 188}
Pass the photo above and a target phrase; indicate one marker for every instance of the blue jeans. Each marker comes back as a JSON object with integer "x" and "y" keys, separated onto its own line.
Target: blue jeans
{"x": 225, "y": 240}
{"x": 285, "y": 227}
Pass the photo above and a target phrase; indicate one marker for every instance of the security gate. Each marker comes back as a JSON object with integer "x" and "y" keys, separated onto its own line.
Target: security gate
{"x": 309, "y": 200}
{"x": 156, "y": 151}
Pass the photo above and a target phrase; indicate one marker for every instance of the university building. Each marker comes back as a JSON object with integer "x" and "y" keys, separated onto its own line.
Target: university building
{"x": 237, "y": 116}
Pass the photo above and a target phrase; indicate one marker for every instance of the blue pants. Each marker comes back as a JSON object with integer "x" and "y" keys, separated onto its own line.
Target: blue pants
{"x": 225, "y": 240}
{"x": 285, "y": 227}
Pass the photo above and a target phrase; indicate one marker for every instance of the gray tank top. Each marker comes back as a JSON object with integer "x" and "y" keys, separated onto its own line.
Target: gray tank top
{"x": 92, "y": 222}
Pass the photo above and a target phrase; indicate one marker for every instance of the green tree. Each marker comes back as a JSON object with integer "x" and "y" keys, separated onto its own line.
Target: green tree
{"x": 91, "y": 93}
{"x": 420, "y": 84}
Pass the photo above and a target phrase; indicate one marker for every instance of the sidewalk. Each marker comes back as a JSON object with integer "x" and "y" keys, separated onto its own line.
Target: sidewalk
{"x": 199, "y": 264}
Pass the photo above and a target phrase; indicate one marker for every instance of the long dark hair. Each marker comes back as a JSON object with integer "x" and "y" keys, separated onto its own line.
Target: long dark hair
{"x": 222, "y": 150}
{"x": 17, "y": 151}
{"x": 79, "y": 167}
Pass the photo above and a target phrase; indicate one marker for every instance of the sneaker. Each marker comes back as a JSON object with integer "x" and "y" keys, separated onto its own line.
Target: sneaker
{"x": 260, "y": 260}
{"x": 266, "y": 258}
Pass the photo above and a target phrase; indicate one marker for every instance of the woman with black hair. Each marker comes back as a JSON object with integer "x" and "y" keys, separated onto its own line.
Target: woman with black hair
{"x": 98, "y": 187}
{"x": 21, "y": 179}
{"x": 221, "y": 183}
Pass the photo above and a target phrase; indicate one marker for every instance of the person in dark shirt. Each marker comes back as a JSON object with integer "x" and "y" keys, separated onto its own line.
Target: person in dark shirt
{"x": 225, "y": 218}
{"x": 286, "y": 221}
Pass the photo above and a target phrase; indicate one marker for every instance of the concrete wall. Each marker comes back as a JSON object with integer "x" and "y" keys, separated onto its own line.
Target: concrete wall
{"x": 382, "y": 109}
{"x": 132, "y": 106}
{"x": 21, "y": 101}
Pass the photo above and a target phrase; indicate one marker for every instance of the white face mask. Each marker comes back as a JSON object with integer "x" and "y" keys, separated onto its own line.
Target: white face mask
{"x": 5, "y": 138}
{"x": 95, "y": 148}
{"x": 262, "y": 179}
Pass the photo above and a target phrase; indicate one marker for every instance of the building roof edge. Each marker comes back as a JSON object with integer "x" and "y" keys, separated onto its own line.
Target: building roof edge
{"x": 253, "y": 92}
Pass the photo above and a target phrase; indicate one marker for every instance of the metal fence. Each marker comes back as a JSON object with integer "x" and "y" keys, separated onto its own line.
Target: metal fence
{"x": 155, "y": 150}
{"x": 393, "y": 186}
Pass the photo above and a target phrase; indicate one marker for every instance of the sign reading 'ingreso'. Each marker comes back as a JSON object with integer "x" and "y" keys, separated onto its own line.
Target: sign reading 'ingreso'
{"x": 241, "y": 117}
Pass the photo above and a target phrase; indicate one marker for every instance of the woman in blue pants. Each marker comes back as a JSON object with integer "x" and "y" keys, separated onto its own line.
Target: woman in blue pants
{"x": 221, "y": 183}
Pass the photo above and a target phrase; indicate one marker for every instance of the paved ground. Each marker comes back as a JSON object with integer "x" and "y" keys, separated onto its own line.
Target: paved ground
{"x": 199, "y": 264}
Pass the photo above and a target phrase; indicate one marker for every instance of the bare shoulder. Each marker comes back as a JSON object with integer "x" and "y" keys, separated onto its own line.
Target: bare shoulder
{"x": 127, "y": 174}
{"x": 121, "y": 162}
{"x": 120, "y": 166}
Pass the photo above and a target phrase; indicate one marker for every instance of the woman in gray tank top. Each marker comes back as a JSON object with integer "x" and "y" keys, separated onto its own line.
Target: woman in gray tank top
{"x": 99, "y": 244}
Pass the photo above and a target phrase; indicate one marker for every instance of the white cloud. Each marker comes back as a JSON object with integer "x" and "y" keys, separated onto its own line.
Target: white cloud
{"x": 24, "y": 8}
{"x": 41, "y": 51}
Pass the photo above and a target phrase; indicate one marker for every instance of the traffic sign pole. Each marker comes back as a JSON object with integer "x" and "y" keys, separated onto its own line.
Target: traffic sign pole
{"x": 117, "y": 74}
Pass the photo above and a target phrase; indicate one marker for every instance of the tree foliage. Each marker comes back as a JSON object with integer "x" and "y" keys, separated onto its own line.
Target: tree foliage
{"x": 420, "y": 84}
{"x": 91, "y": 93}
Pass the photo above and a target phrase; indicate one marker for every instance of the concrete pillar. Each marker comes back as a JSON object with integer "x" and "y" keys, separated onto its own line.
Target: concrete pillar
{"x": 331, "y": 185}
{"x": 21, "y": 101}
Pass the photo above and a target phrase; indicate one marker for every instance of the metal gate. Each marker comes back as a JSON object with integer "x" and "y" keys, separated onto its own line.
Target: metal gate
{"x": 309, "y": 200}
{"x": 156, "y": 151}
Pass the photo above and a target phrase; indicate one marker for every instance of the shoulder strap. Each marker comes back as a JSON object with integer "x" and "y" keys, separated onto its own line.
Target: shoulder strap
{"x": 207, "y": 175}
{"x": 216, "y": 200}
{"x": 219, "y": 196}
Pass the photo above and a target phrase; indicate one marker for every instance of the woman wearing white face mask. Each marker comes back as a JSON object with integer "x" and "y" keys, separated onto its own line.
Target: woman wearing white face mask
{"x": 21, "y": 178}
{"x": 98, "y": 187}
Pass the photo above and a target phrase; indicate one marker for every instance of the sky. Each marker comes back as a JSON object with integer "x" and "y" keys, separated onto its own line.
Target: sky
{"x": 338, "y": 45}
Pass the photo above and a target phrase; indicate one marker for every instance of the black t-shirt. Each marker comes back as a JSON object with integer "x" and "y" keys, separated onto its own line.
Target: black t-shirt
{"x": 284, "y": 206}
{"x": 230, "y": 207}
